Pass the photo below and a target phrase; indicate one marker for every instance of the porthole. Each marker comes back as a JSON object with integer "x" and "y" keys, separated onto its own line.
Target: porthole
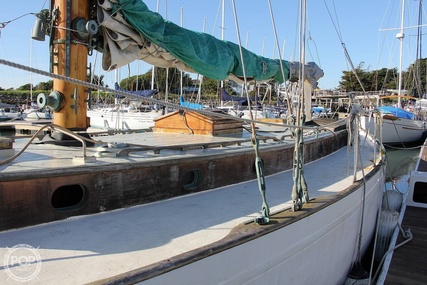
{"x": 69, "y": 197}
{"x": 191, "y": 179}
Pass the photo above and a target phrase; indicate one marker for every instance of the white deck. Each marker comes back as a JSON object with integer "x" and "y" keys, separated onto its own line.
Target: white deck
{"x": 87, "y": 248}
{"x": 42, "y": 157}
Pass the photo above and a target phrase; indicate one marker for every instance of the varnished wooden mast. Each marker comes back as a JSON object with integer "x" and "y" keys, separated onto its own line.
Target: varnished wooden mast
{"x": 70, "y": 59}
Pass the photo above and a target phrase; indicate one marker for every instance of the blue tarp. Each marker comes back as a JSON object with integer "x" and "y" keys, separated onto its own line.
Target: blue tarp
{"x": 184, "y": 103}
{"x": 398, "y": 112}
{"x": 319, "y": 109}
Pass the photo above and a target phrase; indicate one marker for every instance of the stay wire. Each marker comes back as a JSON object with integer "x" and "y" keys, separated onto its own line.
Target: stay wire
{"x": 346, "y": 54}
{"x": 4, "y": 24}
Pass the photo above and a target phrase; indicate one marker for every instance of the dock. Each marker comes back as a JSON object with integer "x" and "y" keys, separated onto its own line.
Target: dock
{"x": 408, "y": 264}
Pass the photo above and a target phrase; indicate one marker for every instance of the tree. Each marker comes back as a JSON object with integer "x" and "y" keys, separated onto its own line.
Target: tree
{"x": 48, "y": 85}
{"x": 25, "y": 87}
{"x": 375, "y": 80}
{"x": 209, "y": 86}
{"x": 385, "y": 78}
{"x": 416, "y": 77}
{"x": 143, "y": 82}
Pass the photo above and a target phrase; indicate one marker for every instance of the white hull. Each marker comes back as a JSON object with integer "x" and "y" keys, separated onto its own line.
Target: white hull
{"x": 395, "y": 131}
{"x": 35, "y": 115}
{"x": 11, "y": 116}
{"x": 319, "y": 249}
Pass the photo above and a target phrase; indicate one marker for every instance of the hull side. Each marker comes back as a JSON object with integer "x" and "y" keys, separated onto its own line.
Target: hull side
{"x": 323, "y": 237}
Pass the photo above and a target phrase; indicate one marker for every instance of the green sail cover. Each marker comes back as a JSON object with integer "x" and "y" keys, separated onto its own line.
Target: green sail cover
{"x": 201, "y": 52}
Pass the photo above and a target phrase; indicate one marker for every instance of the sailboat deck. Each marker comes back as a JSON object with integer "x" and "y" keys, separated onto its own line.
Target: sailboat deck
{"x": 139, "y": 145}
{"x": 136, "y": 238}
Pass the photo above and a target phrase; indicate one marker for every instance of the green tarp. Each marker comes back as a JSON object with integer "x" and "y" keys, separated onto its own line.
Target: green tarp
{"x": 205, "y": 54}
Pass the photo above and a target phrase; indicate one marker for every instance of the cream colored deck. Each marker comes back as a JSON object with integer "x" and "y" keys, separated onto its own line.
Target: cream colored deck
{"x": 88, "y": 248}
{"x": 140, "y": 147}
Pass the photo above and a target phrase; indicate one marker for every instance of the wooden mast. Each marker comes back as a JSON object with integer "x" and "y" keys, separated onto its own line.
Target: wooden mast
{"x": 69, "y": 58}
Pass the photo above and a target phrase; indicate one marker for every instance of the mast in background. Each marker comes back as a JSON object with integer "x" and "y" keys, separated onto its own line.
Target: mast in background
{"x": 31, "y": 64}
{"x": 153, "y": 70}
{"x": 418, "y": 82}
{"x": 400, "y": 37}
{"x": 180, "y": 72}
{"x": 221, "y": 103}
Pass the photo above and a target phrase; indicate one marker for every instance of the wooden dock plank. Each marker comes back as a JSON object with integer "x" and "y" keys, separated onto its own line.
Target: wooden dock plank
{"x": 408, "y": 265}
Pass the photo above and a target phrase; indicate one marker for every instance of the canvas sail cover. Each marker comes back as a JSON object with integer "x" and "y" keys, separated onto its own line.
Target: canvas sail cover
{"x": 131, "y": 32}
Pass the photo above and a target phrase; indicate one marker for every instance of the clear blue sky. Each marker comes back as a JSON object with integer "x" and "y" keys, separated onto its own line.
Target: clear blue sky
{"x": 359, "y": 23}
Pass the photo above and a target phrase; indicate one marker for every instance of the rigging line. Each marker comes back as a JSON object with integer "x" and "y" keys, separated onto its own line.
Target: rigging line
{"x": 280, "y": 54}
{"x": 245, "y": 87}
{"x": 315, "y": 47}
{"x": 358, "y": 159}
{"x": 301, "y": 87}
{"x": 276, "y": 40}
{"x": 333, "y": 22}
{"x": 419, "y": 84}
{"x": 258, "y": 162}
{"x": 216, "y": 18}
{"x": 381, "y": 46}
{"x": 346, "y": 54}
{"x": 3, "y": 24}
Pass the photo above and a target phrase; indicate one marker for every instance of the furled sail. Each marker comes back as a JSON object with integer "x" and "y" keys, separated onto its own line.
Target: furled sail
{"x": 131, "y": 31}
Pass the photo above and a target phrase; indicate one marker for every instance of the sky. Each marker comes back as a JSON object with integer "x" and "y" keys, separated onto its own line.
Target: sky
{"x": 367, "y": 28}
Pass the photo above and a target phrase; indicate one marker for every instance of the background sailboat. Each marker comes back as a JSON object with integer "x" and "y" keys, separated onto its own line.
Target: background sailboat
{"x": 127, "y": 113}
{"x": 393, "y": 124}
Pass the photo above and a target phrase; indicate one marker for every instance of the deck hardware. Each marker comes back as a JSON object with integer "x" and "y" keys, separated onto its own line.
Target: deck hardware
{"x": 54, "y": 101}
{"x": 259, "y": 167}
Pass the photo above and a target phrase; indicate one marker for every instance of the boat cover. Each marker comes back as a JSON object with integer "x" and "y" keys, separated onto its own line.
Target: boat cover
{"x": 398, "y": 112}
{"x": 243, "y": 101}
{"x": 141, "y": 93}
{"x": 131, "y": 31}
{"x": 184, "y": 103}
